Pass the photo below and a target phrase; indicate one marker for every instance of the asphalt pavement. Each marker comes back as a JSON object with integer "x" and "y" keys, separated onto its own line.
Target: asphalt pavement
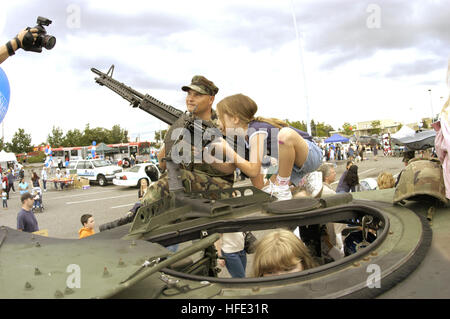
{"x": 63, "y": 209}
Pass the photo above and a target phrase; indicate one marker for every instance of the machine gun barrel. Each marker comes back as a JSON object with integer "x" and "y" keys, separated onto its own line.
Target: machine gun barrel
{"x": 166, "y": 113}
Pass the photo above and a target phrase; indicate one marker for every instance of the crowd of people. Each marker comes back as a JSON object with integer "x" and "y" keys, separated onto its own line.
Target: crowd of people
{"x": 342, "y": 152}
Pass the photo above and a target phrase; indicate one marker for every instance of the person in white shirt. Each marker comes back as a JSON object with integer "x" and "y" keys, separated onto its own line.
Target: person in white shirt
{"x": 44, "y": 177}
{"x": 230, "y": 248}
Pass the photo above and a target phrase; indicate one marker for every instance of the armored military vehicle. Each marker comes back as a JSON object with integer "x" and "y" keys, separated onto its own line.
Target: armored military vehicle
{"x": 405, "y": 257}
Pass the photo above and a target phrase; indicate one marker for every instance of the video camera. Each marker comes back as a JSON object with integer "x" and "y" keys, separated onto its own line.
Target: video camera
{"x": 42, "y": 40}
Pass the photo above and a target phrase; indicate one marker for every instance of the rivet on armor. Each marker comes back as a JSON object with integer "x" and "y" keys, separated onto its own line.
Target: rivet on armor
{"x": 68, "y": 291}
{"x": 106, "y": 273}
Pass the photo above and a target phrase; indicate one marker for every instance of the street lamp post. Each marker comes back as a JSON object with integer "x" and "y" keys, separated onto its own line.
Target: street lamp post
{"x": 431, "y": 105}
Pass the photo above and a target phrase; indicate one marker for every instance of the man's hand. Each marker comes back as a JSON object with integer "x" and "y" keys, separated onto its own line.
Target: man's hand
{"x": 27, "y": 40}
{"x": 221, "y": 262}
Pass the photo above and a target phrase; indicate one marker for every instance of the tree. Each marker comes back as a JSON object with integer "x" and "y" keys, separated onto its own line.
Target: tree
{"x": 399, "y": 127}
{"x": 321, "y": 129}
{"x": 117, "y": 135}
{"x": 298, "y": 125}
{"x": 348, "y": 128}
{"x": 73, "y": 138}
{"x": 56, "y": 138}
{"x": 376, "y": 129}
{"x": 160, "y": 135}
{"x": 20, "y": 143}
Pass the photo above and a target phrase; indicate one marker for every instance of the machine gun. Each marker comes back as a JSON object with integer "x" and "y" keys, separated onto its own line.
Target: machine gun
{"x": 168, "y": 114}
{"x": 164, "y": 112}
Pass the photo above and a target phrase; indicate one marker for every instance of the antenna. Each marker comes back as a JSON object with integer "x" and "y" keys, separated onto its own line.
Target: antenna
{"x": 302, "y": 66}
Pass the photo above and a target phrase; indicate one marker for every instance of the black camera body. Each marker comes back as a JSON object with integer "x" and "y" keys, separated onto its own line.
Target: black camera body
{"x": 43, "y": 39}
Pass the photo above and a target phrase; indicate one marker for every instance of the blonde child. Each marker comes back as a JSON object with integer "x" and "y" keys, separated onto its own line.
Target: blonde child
{"x": 281, "y": 252}
{"x": 297, "y": 154}
{"x": 385, "y": 180}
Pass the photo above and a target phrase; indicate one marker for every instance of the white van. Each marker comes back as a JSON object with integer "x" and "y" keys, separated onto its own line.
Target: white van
{"x": 94, "y": 170}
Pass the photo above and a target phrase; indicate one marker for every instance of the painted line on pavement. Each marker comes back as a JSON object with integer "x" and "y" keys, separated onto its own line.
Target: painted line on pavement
{"x": 48, "y": 195}
{"x": 96, "y": 199}
{"x": 371, "y": 169}
{"x": 122, "y": 205}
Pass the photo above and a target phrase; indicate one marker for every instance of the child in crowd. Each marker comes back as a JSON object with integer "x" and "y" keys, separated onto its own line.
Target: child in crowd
{"x": 281, "y": 252}
{"x": 88, "y": 223}
{"x": 297, "y": 154}
{"x": 385, "y": 180}
{"x": 5, "y": 199}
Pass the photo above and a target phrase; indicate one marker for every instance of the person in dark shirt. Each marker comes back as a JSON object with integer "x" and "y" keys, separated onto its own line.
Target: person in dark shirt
{"x": 350, "y": 181}
{"x": 26, "y": 221}
{"x": 11, "y": 181}
{"x": 340, "y": 187}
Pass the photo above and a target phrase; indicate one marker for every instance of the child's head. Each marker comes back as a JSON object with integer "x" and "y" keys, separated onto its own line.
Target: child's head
{"x": 281, "y": 252}
{"x": 237, "y": 111}
{"x": 240, "y": 106}
{"x": 88, "y": 221}
{"x": 385, "y": 180}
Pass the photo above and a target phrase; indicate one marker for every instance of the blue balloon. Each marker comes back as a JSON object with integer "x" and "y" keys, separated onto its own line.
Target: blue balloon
{"x": 94, "y": 143}
{"x": 4, "y": 94}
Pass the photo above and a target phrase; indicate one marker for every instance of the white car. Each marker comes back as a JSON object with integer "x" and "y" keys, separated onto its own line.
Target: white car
{"x": 134, "y": 175}
{"x": 94, "y": 170}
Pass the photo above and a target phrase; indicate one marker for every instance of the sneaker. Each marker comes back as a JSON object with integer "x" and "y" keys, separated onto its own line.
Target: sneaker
{"x": 268, "y": 188}
{"x": 281, "y": 192}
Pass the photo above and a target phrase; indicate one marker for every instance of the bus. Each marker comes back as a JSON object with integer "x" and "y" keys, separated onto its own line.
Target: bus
{"x": 119, "y": 152}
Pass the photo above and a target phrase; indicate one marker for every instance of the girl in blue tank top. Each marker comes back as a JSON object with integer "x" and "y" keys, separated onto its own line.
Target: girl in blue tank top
{"x": 297, "y": 154}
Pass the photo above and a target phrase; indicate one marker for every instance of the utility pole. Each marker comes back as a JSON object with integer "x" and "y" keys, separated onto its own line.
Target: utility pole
{"x": 431, "y": 105}
{"x": 302, "y": 66}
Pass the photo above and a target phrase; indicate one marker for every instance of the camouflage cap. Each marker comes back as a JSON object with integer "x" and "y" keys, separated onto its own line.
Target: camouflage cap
{"x": 421, "y": 178}
{"x": 201, "y": 85}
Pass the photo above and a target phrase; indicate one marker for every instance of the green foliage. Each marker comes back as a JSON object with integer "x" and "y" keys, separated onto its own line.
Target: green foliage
{"x": 297, "y": 124}
{"x": 76, "y": 137}
{"x": 376, "y": 129}
{"x": 160, "y": 135}
{"x": 348, "y": 128}
{"x": 40, "y": 158}
{"x": 20, "y": 143}
{"x": 317, "y": 129}
{"x": 56, "y": 137}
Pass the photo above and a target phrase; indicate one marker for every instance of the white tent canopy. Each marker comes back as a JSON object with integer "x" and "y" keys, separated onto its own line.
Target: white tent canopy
{"x": 403, "y": 132}
{"x": 7, "y": 157}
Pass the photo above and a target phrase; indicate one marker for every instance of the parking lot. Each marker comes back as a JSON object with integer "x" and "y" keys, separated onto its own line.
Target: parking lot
{"x": 63, "y": 209}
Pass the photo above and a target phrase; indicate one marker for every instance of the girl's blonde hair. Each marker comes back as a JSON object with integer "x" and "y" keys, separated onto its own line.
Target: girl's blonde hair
{"x": 244, "y": 108}
{"x": 385, "y": 180}
{"x": 280, "y": 250}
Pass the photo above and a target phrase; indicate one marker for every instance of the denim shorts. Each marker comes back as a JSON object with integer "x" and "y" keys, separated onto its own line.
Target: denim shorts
{"x": 312, "y": 163}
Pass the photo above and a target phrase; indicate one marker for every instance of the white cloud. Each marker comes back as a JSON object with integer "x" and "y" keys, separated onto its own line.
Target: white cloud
{"x": 245, "y": 47}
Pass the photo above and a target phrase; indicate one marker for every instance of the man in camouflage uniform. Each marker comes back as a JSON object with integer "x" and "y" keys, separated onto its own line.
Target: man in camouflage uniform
{"x": 195, "y": 176}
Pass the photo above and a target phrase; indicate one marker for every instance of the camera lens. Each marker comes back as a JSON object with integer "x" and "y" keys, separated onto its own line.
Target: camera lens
{"x": 48, "y": 42}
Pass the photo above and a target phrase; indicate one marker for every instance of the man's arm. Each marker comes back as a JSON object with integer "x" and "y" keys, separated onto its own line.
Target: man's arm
{"x": 14, "y": 44}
